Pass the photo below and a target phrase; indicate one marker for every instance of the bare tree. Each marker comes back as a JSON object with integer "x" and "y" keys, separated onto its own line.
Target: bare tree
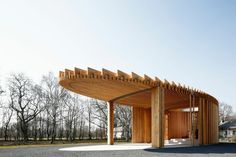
{"x": 81, "y": 123}
{"x": 26, "y": 100}
{"x": 7, "y": 116}
{"x": 123, "y": 116}
{"x": 89, "y": 118}
{"x": 72, "y": 109}
{"x": 41, "y": 130}
{"x": 100, "y": 114}
{"x": 225, "y": 112}
{"x": 54, "y": 98}
{"x": 1, "y": 91}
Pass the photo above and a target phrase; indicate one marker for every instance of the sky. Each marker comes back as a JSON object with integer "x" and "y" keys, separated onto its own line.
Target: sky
{"x": 192, "y": 42}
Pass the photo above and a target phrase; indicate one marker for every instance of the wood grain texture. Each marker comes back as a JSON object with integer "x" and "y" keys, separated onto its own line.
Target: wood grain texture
{"x": 150, "y": 99}
{"x": 110, "y": 126}
{"x": 141, "y": 125}
{"x": 107, "y": 85}
{"x": 158, "y": 120}
{"x": 178, "y": 123}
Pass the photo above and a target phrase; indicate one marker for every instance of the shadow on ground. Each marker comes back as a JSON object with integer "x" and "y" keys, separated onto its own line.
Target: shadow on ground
{"x": 221, "y": 148}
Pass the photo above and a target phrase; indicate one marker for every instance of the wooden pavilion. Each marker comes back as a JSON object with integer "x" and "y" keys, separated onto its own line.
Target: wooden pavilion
{"x": 160, "y": 109}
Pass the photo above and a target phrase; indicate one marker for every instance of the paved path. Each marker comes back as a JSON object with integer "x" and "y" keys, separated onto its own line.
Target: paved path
{"x": 53, "y": 151}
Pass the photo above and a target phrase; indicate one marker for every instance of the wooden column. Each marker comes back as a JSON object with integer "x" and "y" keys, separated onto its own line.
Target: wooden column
{"x": 158, "y": 119}
{"x": 205, "y": 125}
{"x": 200, "y": 121}
{"x": 190, "y": 120}
{"x": 110, "y": 122}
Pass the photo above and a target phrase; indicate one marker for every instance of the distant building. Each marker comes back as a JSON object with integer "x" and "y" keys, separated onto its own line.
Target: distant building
{"x": 118, "y": 132}
{"x": 228, "y": 129}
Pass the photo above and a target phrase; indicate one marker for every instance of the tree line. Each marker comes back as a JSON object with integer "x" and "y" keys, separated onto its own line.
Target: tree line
{"x": 46, "y": 111}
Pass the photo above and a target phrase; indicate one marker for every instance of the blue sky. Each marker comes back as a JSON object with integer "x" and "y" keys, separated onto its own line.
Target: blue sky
{"x": 189, "y": 42}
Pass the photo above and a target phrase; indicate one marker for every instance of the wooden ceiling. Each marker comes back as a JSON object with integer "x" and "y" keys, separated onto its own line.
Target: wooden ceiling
{"x": 124, "y": 88}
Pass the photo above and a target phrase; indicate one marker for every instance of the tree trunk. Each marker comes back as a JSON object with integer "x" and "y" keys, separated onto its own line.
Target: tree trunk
{"x": 53, "y": 130}
{"x": 6, "y": 133}
{"x": 24, "y": 129}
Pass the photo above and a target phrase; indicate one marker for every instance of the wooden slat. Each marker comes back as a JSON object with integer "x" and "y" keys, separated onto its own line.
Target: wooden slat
{"x": 78, "y": 71}
{"x": 178, "y": 124}
{"x": 136, "y": 76}
{"x": 69, "y": 73}
{"x": 93, "y": 72}
{"x": 157, "y": 79}
{"x": 61, "y": 74}
{"x": 166, "y": 82}
{"x": 147, "y": 125}
{"x": 173, "y": 83}
{"x": 200, "y": 122}
{"x": 107, "y": 73}
{"x": 147, "y": 78}
{"x": 122, "y": 74}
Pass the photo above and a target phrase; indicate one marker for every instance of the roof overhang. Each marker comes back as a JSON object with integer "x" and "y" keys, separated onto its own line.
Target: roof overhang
{"x": 124, "y": 88}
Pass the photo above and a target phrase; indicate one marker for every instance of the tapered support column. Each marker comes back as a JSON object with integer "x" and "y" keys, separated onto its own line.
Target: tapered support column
{"x": 110, "y": 122}
{"x": 158, "y": 119}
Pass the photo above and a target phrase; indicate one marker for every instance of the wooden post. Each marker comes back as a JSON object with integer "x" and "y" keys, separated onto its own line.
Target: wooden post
{"x": 200, "y": 121}
{"x": 190, "y": 120}
{"x": 158, "y": 119}
{"x": 194, "y": 120}
{"x": 110, "y": 122}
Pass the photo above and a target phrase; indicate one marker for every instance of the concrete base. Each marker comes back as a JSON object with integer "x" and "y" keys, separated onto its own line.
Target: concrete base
{"x": 130, "y": 146}
{"x": 108, "y": 147}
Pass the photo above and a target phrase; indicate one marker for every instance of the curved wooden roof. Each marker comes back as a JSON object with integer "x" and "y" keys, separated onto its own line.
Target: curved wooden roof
{"x": 123, "y": 88}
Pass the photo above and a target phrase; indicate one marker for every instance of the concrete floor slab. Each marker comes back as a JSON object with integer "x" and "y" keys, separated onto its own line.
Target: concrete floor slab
{"x": 109, "y": 147}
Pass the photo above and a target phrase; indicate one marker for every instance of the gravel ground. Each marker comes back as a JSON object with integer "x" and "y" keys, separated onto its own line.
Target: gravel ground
{"x": 52, "y": 151}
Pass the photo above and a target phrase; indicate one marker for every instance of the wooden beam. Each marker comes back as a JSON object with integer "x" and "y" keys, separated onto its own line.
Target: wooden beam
{"x": 69, "y": 73}
{"x": 123, "y": 75}
{"x": 136, "y": 76}
{"x": 157, "y": 120}
{"x": 61, "y": 74}
{"x": 110, "y": 122}
{"x": 78, "y": 71}
{"x": 107, "y": 73}
{"x": 93, "y": 72}
{"x": 147, "y": 78}
{"x": 130, "y": 94}
{"x": 200, "y": 121}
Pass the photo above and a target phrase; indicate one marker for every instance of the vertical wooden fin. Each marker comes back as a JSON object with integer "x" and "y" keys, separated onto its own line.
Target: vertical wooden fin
{"x": 61, "y": 74}
{"x": 173, "y": 83}
{"x": 122, "y": 74}
{"x": 69, "y": 73}
{"x": 80, "y": 71}
{"x": 93, "y": 72}
{"x": 157, "y": 79}
{"x": 107, "y": 73}
{"x": 136, "y": 76}
{"x": 147, "y": 78}
{"x": 166, "y": 82}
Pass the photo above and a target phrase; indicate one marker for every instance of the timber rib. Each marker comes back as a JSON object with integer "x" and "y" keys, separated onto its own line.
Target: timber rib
{"x": 130, "y": 78}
